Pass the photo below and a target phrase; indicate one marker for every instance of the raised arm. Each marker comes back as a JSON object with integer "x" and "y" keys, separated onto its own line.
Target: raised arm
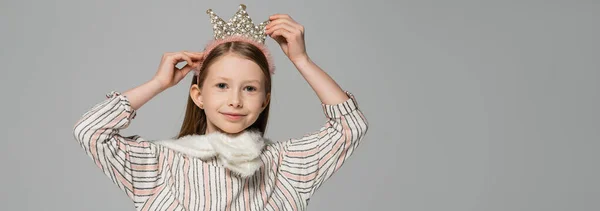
{"x": 131, "y": 163}
{"x": 290, "y": 36}
{"x": 309, "y": 161}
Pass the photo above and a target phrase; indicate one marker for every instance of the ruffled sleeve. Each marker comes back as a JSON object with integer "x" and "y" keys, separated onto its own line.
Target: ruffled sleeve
{"x": 129, "y": 163}
{"x": 312, "y": 159}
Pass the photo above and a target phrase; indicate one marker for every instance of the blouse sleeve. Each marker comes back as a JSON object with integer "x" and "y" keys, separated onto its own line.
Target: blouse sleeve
{"x": 312, "y": 159}
{"x": 132, "y": 165}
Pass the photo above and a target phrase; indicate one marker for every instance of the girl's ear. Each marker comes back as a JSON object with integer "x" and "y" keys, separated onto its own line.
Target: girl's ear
{"x": 267, "y": 100}
{"x": 196, "y": 95}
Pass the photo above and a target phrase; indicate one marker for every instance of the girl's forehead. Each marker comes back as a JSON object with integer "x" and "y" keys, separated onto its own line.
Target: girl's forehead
{"x": 234, "y": 60}
{"x": 235, "y": 68}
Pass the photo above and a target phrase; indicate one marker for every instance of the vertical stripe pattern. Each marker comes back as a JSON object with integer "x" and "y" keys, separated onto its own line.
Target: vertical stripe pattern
{"x": 158, "y": 178}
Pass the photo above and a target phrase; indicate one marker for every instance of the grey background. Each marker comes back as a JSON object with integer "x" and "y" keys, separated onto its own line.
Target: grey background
{"x": 472, "y": 105}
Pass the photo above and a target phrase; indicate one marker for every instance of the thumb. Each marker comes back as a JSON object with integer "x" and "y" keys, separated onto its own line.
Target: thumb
{"x": 278, "y": 38}
{"x": 185, "y": 70}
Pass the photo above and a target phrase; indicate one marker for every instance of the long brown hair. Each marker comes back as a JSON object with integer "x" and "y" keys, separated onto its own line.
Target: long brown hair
{"x": 194, "y": 122}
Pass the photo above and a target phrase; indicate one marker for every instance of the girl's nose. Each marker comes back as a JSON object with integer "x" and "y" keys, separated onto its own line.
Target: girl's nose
{"x": 234, "y": 100}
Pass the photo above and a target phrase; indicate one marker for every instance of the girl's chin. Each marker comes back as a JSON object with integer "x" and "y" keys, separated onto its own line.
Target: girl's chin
{"x": 231, "y": 130}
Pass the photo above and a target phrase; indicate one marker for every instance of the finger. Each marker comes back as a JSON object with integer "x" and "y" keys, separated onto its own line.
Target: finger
{"x": 285, "y": 26}
{"x": 195, "y": 55}
{"x": 282, "y": 33}
{"x": 286, "y": 21}
{"x": 279, "y": 16}
{"x": 188, "y": 59}
{"x": 282, "y": 20}
{"x": 179, "y": 57}
{"x": 185, "y": 70}
{"x": 278, "y": 38}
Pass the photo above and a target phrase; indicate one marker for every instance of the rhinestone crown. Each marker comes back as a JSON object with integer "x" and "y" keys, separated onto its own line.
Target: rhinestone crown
{"x": 239, "y": 24}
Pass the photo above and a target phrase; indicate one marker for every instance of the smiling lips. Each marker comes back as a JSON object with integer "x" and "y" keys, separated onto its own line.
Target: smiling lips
{"x": 233, "y": 116}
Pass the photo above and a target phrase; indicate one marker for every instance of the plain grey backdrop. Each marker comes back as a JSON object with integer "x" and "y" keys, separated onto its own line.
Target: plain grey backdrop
{"x": 472, "y": 105}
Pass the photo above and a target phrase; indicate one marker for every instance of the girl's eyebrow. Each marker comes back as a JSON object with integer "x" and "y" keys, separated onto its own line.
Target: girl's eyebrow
{"x": 245, "y": 81}
{"x": 249, "y": 81}
{"x": 223, "y": 78}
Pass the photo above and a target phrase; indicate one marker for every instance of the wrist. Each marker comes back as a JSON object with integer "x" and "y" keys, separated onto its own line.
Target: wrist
{"x": 157, "y": 86}
{"x": 301, "y": 61}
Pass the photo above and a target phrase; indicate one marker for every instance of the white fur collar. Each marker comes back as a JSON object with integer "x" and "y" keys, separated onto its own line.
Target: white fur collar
{"x": 239, "y": 154}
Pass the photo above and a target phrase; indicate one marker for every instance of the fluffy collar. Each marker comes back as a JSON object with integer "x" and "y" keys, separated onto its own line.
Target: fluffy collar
{"x": 240, "y": 154}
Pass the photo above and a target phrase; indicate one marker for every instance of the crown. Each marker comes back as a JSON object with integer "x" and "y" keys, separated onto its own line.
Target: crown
{"x": 239, "y": 24}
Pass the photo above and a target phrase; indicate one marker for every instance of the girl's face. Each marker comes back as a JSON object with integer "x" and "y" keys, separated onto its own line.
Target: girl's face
{"x": 233, "y": 94}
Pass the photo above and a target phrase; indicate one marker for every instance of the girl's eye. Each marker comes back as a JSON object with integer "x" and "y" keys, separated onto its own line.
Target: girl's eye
{"x": 250, "y": 88}
{"x": 222, "y": 85}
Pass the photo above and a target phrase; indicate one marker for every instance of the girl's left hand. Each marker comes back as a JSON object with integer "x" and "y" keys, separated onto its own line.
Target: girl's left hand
{"x": 290, "y": 36}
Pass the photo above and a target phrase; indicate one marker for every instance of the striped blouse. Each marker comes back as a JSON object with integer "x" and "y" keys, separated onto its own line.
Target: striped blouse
{"x": 158, "y": 178}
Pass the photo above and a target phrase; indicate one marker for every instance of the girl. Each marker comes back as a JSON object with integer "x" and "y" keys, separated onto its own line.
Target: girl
{"x": 220, "y": 159}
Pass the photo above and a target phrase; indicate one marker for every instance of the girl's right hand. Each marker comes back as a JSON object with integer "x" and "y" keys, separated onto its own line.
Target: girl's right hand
{"x": 169, "y": 75}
